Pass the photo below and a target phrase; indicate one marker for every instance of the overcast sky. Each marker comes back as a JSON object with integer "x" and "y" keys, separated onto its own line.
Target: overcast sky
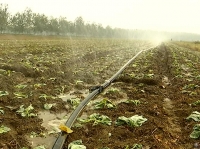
{"x": 167, "y": 15}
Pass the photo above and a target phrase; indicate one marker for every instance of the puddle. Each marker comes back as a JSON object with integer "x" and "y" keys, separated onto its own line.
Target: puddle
{"x": 84, "y": 115}
{"x": 90, "y": 105}
{"x": 48, "y": 141}
{"x": 67, "y": 96}
{"x": 74, "y": 94}
{"x": 51, "y": 122}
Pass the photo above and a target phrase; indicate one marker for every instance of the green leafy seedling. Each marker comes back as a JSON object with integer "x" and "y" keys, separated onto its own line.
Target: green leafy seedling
{"x": 134, "y": 121}
{"x": 26, "y": 112}
{"x": 4, "y": 129}
{"x": 104, "y": 103}
{"x": 45, "y": 96}
{"x": 3, "y": 93}
{"x": 74, "y": 102}
{"x": 20, "y": 95}
{"x": 190, "y": 86}
{"x": 1, "y": 110}
{"x": 78, "y": 82}
{"x": 151, "y": 75}
{"x": 137, "y": 146}
{"x": 21, "y": 86}
{"x": 196, "y": 103}
{"x": 48, "y": 106}
{"x": 194, "y": 116}
{"x": 40, "y": 147}
{"x": 113, "y": 90}
{"x": 33, "y": 134}
{"x": 39, "y": 85}
{"x": 77, "y": 144}
{"x": 96, "y": 118}
{"x": 196, "y": 132}
{"x": 135, "y": 102}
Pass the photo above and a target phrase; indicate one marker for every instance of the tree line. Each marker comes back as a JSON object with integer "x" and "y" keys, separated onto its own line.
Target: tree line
{"x": 28, "y": 22}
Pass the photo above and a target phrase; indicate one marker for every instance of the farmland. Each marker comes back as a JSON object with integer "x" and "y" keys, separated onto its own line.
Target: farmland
{"x": 162, "y": 85}
{"x": 43, "y": 75}
{"x": 35, "y": 71}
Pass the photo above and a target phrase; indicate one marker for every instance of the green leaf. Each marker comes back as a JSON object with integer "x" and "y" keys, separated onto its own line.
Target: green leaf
{"x": 78, "y": 82}
{"x": 190, "y": 86}
{"x": 20, "y": 95}
{"x": 150, "y": 75}
{"x": 4, "y": 129}
{"x": 74, "y": 102}
{"x": 77, "y": 144}
{"x": 40, "y": 147}
{"x": 97, "y": 119}
{"x": 33, "y": 135}
{"x": 134, "y": 121}
{"x": 45, "y": 96}
{"x": 196, "y": 132}
{"x": 113, "y": 90}
{"x": 26, "y": 112}
{"x": 105, "y": 103}
{"x": 196, "y": 103}
{"x": 195, "y": 116}
{"x": 3, "y": 93}
{"x": 135, "y": 102}
{"x": 48, "y": 106}
{"x": 137, "y": 146}
{"x": 30, "y": 108}
{"x": 21, "y": 86}
{"x": 1, "y": 110}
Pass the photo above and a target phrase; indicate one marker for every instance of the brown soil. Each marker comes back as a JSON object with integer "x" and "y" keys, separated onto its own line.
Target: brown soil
{"x": 163, "y": 103}
{"x": 51, "y": 66}
{"x": 54, "y": 66}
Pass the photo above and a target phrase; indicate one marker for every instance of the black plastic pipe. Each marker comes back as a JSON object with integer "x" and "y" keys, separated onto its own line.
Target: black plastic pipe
{"x": 62, "y": 136}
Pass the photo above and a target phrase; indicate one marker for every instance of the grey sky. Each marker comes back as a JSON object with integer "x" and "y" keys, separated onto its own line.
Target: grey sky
{"x": 167, "y": 15}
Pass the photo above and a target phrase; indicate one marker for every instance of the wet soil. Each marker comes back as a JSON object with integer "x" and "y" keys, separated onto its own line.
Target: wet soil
{"x": 157, "y": 78}
{"x": 38, "y": 70}
{"x": 162, "y": 79}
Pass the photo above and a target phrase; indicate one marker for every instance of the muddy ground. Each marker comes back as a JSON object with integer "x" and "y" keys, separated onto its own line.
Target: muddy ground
{"x": 37, "y": 71}
{"x": 166, "y": 81}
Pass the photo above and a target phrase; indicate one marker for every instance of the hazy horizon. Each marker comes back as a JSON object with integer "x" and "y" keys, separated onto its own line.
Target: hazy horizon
{"x": 157, "y": 15}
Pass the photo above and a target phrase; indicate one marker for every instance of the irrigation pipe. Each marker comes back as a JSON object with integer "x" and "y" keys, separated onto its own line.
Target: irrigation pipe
{"x": 62, "y": 136}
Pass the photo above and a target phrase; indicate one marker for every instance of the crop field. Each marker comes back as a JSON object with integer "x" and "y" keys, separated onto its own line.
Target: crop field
{"x": 153, "y": 104}
{"x": 34, "y": 73}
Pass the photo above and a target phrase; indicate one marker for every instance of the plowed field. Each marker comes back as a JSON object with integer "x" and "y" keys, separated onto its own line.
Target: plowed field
{"x": 46, "y": 73}
{"x": 166, "y": 82}
{"x": 35, "y": 72}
